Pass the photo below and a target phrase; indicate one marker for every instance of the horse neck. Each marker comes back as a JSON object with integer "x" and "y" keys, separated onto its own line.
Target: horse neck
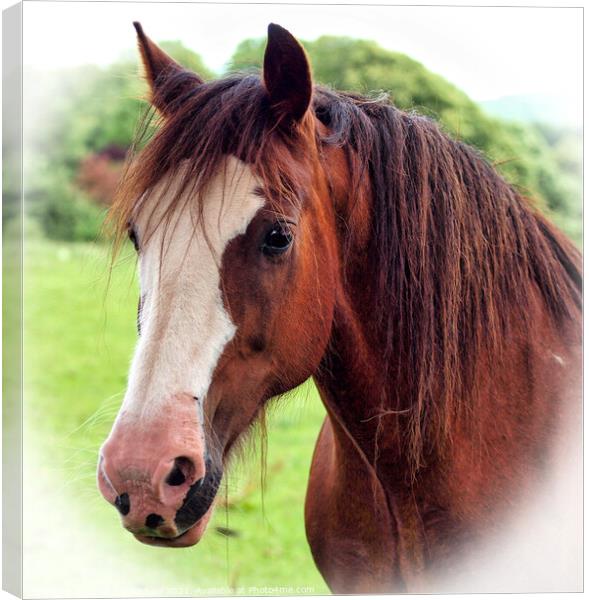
{"x": 353, "y": 377}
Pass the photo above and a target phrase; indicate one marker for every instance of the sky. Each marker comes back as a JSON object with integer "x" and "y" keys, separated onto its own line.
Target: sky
{"x": 487, "y": 52}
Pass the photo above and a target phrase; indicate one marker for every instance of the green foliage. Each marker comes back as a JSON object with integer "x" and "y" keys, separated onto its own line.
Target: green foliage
{"x": 520, "y": 152}
{"x": 93, "y": 107}
{"x": 187, "y": 58}
{"x": 64, "y": 212}
{"x": 88, "y": 108}
{"x": 566, "y": 146}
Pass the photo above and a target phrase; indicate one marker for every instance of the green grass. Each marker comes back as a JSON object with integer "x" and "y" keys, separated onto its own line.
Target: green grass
{"x": 79, "y": 339}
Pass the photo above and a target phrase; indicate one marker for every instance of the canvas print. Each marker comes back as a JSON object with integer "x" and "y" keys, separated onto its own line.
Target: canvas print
{"x": 292, "y": 300}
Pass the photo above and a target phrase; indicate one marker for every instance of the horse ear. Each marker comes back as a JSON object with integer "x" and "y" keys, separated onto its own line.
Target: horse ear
{"x": 166, "y": 78}
{"x": 287, "y": 74}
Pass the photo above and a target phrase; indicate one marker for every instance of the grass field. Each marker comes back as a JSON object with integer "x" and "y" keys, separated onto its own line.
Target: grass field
{"x": 78, "y": 340}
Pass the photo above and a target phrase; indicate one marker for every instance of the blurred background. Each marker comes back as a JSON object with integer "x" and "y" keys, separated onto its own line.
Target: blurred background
{"x": 506, "y": 80}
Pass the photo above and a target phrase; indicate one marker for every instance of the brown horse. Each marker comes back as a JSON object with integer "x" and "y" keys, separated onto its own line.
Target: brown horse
{"x": 288, "y": 231}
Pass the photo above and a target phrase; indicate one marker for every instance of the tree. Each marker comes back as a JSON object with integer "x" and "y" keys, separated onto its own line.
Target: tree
{"x": 86, "y": 109}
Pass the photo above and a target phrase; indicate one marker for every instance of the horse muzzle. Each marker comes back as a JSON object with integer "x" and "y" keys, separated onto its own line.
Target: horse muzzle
{"x": 160, "y": 476}
{"x": 191, "y": 519}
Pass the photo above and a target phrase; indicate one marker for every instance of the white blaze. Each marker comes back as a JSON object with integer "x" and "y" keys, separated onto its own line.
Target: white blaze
{"x": 184, "y": 325}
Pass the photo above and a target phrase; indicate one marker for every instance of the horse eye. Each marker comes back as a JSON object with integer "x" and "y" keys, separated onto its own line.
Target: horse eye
{"x": 277, "y": 240}
{"x": 133, "y": 238}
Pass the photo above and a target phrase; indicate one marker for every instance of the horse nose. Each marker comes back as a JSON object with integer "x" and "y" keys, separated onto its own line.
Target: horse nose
{"x": 147, "y": 497}
{"x": 146, "y": 470}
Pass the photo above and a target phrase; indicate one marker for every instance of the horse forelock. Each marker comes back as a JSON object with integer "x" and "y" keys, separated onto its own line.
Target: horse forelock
{"x": 208, "y": 122}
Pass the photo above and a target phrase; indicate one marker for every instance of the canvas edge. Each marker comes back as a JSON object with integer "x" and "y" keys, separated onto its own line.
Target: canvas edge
{"x": 12, "y": 245}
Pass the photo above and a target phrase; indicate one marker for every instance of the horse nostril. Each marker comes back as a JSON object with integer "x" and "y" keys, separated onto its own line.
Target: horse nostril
{"x": 153, "y": 521}
{"x": 123, "y": 504}
{"x": 183, "y": 469}
{"x": 176, "y": 477}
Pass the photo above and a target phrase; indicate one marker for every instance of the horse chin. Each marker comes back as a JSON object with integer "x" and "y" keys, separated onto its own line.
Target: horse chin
{"x": 189, "y": 538}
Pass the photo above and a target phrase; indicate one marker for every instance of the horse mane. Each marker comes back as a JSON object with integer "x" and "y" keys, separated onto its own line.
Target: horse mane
{"x": 456, "y": 252}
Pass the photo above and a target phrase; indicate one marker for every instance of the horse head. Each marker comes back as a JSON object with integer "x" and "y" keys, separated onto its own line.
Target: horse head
{"x": 228, "y": 207}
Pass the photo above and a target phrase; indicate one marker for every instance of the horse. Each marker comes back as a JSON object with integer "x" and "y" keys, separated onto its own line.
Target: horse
{"x": 285, "y": 231}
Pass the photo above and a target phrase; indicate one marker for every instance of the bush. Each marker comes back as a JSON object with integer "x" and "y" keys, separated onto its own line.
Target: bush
{"x": 66, "y": 214}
